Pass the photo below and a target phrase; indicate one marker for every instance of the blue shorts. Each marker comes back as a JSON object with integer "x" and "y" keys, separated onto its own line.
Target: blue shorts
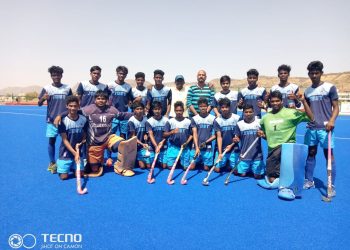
{"x": 172, "y": 153}
{"x": 206, "y": 156}
{"x": 313, "y": 137}
{"x": 122, "y": 126}
{"x": 141, "y": 156}
{"x": 231, "y": 157}
{"x": 257, "y": 167}
{"x": 64, "y": 166}
{"x": 162, "y": 157}
{"x": 51, "y": 130}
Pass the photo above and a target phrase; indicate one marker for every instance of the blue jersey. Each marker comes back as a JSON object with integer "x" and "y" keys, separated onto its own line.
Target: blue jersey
{"x": 231, "y": 95}
{"x": 87, "y": 92}
{"x": 204, "y": 126}
{"x": 74, "y": 129}
{"x": 227, "y": 127}
{"x": 285, "y": 91}
{"x": 121, "y": 95}
{"x": 184, "y": 127}
{"x": 320, "y": 101}
{"x": 247, "y": 133}
{"x": 163, "y": 96}
{"x": 56, "y": 103}
{"x": 137, "y": 93}
{"x": 139, "y": 127}
{"x": 253, "y": 96}
{"x": 157, "y": 127}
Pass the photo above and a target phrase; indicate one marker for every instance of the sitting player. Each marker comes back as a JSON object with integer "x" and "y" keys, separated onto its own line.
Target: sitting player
{"x": 155, "y": 127}
{"x": 202, "y": 129}
{"x": 246, "y": 133}
{"x": 72, "y": 130}
{"x": 224, "y": 127}
{"x": 137, "y": 127}
{"x": 178, "y": 130}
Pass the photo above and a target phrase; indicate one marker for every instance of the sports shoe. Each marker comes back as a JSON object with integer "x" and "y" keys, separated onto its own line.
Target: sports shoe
{"x": 52, "y": 168}
{"x": 308, "y": 184}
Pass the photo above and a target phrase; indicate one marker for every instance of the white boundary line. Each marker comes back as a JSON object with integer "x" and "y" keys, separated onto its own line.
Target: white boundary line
{"x": 13, "y": 113}
{"x": 338, "y": 138}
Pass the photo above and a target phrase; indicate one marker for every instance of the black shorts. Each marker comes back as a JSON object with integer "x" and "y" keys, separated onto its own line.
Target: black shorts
{"x": 273, "y": 162}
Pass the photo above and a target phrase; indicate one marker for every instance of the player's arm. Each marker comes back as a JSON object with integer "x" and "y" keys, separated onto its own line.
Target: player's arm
{"x": 219, "y": 142}
{"x": 151, "y": 137}
{"x": 189, "y": 102}
{"x": 170, "y": 133}
{"x": 195, "y": 139}
{"x": 240, "y": 100}
{"x": 188, "y": 141}
{"x": 211, "y": 97}
{"x": 149, "y": 100}
{"x": 168, "y": 107}
{"x": 80, "y": 91}
{"x": 335, "y": 113}
{"x": 307, "y": 108}
{"x": 43, "y": 97}
{"x": 69, "y": 146}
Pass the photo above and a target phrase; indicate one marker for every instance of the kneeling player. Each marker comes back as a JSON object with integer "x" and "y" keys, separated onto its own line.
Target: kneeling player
{"x": 246, "y": 133}
{"x": 72, "y": 130}
{"x": 179, "y": 133}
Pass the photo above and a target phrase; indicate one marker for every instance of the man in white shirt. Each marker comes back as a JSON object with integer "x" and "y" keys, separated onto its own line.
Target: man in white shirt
{"x": 179, "y": 93}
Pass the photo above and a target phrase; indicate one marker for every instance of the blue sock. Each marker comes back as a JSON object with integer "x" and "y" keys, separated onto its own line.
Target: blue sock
{"x": 51, "y": 150}
{"x": 334, "y": 172}
{"x": 309, "y": 168}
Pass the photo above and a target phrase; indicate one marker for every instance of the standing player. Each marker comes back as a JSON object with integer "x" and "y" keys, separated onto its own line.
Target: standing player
{"x": 155, "y": 127}
{"x": 225, "y": 126}
{"x": 323, "y": 100}
{"x": 279, "y": 126}
{"x": 159, "y": 93}
{"x": 121, "y": 96}
{"x": 202, "y": 129}
{"x": 139, "y": 93}
{"x": 288, "y": 90}
{"x": 246, "y": 133}
{"x": 55, "y": 94}
{"x": 86, "y": 89}
{"x": 253, "y": 94}
{"x": 72, "y": 130}
{"x": 225, "y": 82}
{"x": 137, "y": 127}
{"x": 178, "y": 130}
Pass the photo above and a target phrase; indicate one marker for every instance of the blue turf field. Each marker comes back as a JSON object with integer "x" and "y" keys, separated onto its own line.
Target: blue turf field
{"x": 128, "y": 213}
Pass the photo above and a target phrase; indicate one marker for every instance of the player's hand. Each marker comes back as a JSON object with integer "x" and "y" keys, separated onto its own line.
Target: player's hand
{"x": 137, "y": 99}
{"x": 57, "y": 121}
{"x": 211, "y": 85}
{"x": 76, "y": 157}
{"x": 261, "y": 104}
{"x": 175, "y": 131}
{"x": 228, "y": 148}
{"x": 198, "y": 151}
{"x": 261, "y": 134}
{"x": 329, "y": 126}
{"x": 46, "y": 96}
{"x": 267, "y": 96}
{"x": 145, "y": 146}
{"x": 184, "y": 145}
{"x": 236, "y": 139}
{"x": 219, "y": 157}
{"x": 300, "y": 97}
{"x": 203, "y": 145}
{"x": 240, "y": 102}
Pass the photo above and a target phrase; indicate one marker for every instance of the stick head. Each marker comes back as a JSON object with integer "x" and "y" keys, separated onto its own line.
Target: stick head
{"x": 80, "y": 191}
{"x": 183, "y": 182}
{"x": 205, "y": 182}
{"x": 170, "y": 182}
{"x": 226, "y": 182}
{"x": 326, "y": 199}
{"x": 151, "y": 180}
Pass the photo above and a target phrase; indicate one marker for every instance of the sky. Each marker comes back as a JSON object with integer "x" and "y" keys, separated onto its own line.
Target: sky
{"x": 179, "y": 37}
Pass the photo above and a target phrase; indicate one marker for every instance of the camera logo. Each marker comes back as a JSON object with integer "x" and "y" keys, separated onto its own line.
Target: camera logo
{"x": 28, "y": 241}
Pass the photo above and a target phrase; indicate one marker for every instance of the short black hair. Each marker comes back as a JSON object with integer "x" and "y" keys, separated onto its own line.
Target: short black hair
{"x": 101, "y": 93}
{"x": 284, "y": 67}
{"x": 315, "y": 65}
{"x": 276, "y": 94}
{"x": 93, "y": 68}
{"x": 248, "y": 106}
{"x": 252, "y": 72}
{"x": 179, "y": 104}
{"x": 224, "y": 79}
{"x": 156, "y": 104}
{"x": 55, "y": 69}
{"x": 123, "y": 69}
{"x": 140, "y": 74}
{"x": 203, "y": 100}
{"x": 158, "y": 72}
{"x": 224, "y": 101}
{"x": 136, "y": 105}
{"x": 72, "y": 98}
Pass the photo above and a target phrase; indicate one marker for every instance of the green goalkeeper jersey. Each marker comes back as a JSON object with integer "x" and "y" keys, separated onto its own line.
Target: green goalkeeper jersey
{"x": 281, "y": 127}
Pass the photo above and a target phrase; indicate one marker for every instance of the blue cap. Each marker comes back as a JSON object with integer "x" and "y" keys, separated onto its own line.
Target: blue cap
{"x": 179, "y": 77}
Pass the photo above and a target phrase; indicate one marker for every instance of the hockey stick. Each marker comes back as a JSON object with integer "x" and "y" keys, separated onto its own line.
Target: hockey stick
{"x": 170, "y": 180}
{"x": 183, "y": 179}
{"x": 150, "y": 178}
{"x": 78, "y": 172}
{"x": 227, "y": 180}
{"x": 205, "y": 181}
{"x": 328, "y": 198}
